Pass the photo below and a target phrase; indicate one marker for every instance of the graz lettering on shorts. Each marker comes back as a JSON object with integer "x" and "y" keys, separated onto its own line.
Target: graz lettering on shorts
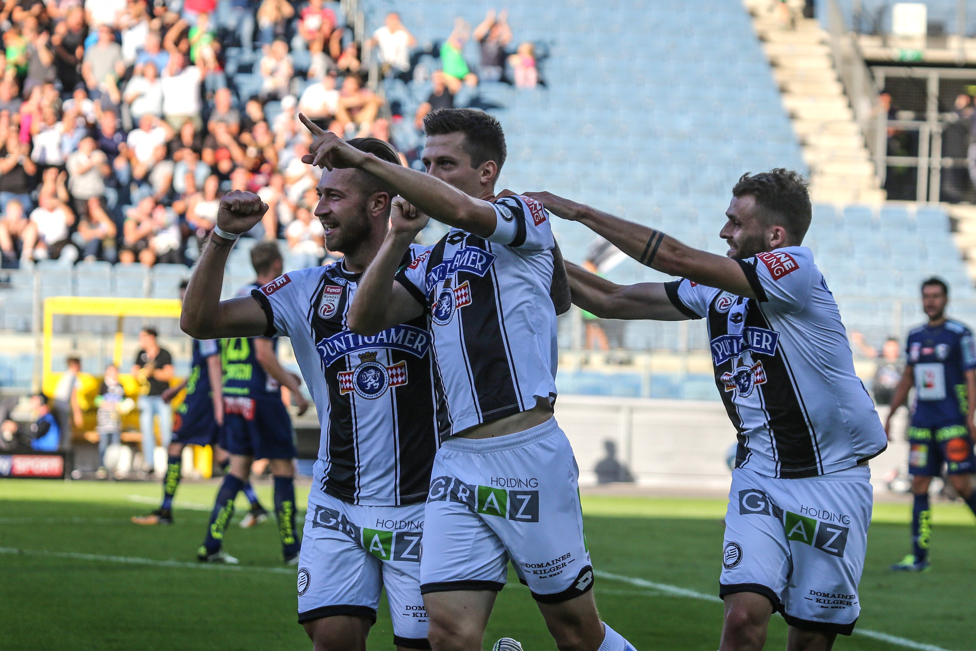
{"x": 513, "y": 504}
{"x": 404, "y": 338}
{"x": 812, "y": 526}
{"x": 401, "y": 544}
{"x": 832, "y": 600}
{"x": 470, "y": 259}
{"x": 756, "y": 340}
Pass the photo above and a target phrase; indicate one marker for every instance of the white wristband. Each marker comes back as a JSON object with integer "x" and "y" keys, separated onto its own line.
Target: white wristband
{"x": 219, "y": 232}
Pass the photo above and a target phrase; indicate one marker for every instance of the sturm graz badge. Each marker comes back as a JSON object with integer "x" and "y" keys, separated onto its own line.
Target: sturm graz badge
{"x": 450, "y": 301}
{"x": 732, "y": 555}
{"x": 304, "y": 578}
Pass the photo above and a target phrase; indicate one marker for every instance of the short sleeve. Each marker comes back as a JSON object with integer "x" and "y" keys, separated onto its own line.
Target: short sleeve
{"x": 687, "y": 297}
{"x": 522, "y": 223}
{"x": 967, "y": 349}
{"x": 164, "y": 358}
{"x": 413, "y": 272}
{"x": 782, "y": 278}
{"x": 287, "y": 300}
{"x": 208, "y": 347}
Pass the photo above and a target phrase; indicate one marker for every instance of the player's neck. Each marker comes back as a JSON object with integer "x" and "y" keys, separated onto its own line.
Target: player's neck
{"x": 935, "y": 323}
{"x": 264, "y": 280}
{"x": 357, "y": 261}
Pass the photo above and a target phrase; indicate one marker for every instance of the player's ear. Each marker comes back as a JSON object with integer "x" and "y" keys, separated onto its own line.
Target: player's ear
{"x": 379, "y": 203}
{"x": 489, "y": 172}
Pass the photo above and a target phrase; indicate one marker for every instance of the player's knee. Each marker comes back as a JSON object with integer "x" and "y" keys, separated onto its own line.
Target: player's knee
{"x": 743, "y": 627}
{"x": 447, "y": 634}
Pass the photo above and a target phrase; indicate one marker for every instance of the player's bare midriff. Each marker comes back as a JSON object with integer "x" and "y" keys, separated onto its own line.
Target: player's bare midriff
{"x": 513, "y": 424}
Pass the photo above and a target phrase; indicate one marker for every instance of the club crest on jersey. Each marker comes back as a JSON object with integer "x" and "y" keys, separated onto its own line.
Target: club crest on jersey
{"x": 330, "y": 300}
{"x": 450, "y": 301}
{"x": 371, "y": 379}
{"x": 470, "y": 259}
{"x": 941, "y": 351}
{"x": 744, "y": 379}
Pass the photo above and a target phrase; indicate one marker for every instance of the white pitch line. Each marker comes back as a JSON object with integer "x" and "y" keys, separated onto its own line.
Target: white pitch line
{"x": 146, "y": 561}
{"x": 62, "y": 520}
{"x": 701, "y": 596}
{"x": 189, "y": 506}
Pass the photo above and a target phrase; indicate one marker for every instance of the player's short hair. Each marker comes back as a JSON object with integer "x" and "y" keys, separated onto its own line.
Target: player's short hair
{"x": 484, "y": 138}
{"x": 74, "y": 360}
{"x": 151, "y": 332}
{"x": 382, "y": 150}
{"x": 264, "y": 256}
{"x": 783, "y": 200}
{"x": 935, "y": 281}
{"x": 43, "y": 398}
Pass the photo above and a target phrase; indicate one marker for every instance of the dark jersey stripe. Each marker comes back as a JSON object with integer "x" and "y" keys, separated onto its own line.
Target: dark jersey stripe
{"x": 791, "y": 434}
{"x": 718, "y": 325}
{"x": 484, "y": 345}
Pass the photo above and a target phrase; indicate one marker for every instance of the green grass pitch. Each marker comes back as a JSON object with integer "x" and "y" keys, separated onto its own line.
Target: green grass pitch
{"x": 71, "y": 583}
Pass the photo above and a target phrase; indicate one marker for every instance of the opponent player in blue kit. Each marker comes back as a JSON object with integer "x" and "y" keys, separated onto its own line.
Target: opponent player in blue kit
{"x": 257, "y": 422}
{"x": 199, "y": 420}
{"x": 942, "y": 368}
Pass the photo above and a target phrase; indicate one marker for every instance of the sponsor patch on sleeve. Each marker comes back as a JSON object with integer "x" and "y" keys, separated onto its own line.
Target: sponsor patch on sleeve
{"x": 779, "y": 263}
{"x": 275, "y": 285}
{"x": 538, "y": 212}
{"x": 419, "y": 260}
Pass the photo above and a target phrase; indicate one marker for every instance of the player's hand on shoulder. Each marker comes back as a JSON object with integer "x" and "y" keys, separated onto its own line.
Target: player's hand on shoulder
{"x": 328, "y": 150}
{"x": 558, "y": 206}
{"x": 239, "y": 211}
{"x": 405, "y": 219}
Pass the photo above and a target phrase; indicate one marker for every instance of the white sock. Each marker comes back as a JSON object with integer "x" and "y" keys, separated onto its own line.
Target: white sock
{"x": 614, "y": 641}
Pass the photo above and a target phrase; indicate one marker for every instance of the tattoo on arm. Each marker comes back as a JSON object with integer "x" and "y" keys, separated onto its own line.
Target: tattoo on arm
{"x": 650, "y": 251}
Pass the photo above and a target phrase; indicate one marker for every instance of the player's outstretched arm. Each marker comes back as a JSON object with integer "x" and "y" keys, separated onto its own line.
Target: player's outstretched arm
{"x": 653, "y": 248}
{"x": 381, "y": 302}
{"x": 431, "y": 196}
{"x": 608, "y": 300}
{"x": 204, "y": 316}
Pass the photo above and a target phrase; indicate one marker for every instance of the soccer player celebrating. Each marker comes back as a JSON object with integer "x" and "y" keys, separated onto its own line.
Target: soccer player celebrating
{"x": 801, "y": 500}
{"x": 504, "y": 486}
{"x": 257, "y": 421}
{"x": 199, "y": 421}
{"x": 380, "y": 405}
{"x": 942, "y": 368}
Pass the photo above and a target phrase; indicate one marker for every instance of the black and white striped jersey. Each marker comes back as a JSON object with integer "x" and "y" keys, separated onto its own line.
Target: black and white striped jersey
{"x": 785, "y": 370}
{"x": 380, "y": 402}
{"x": 490, "y": 313}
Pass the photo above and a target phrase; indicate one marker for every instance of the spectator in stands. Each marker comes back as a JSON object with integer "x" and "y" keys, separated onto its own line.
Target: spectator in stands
{"x": 103, "y": 66}
{"x": 66, "y": 407}
{"x": 142, "y": 142}
{"x": 153, "y": 368}
{"x": 40, "y": 58}
{"x": 153, "y": 53}
{"x": 181, "y": 93}
{"x": 320, "y": 101}
{"x": 394, "y": 43}
{"x": 380, "y": 130}
{"x": 349, "y": 60}
{"x": 53, "y": 220}
{"x": 440, "y": 97}
{"x": 87, "y": 170}
{"x": 47, "y": 137}
{"x": 105, "y": 12}
{"x": 110, "y": 139}
{"x": 95, "y": 237}
{"x": 455, "y": 68}
{"x": 43, "y": 433}
{"x": 137, "y": 229}
{"x": 306, "y": 239}
{"x": 111, "y": 395}
{"x": 201, "y": 209}
{"x": 17, "y": 232}
{"x": 82, "y": 104}
{"x": 323, "y": 61}
{"x": 17, "y": 171}
{"x": 253, "y": 113}
{"x": 134, "y": 26}
{"x": 144, "y": 93}
{"x": 493, "y": 35}
{"x": 194, "y": 10}
{"x": 9, "y": 97}
{"x": 276, "y": 71}
{"x": 281, "y": 211}
{"x": 69, "y": 47}
{"x": 239, "y": 19}
{"x": 524, "y": 67}
{"x": 273, "y": 17}
{"x": 889, "y": 369}
{"x": 200, "y": 35}
{"x": 225, "y": 113}
{"x": 316, "y": 24}
{"x": 358, "y": 106}
{"x": 15, "y": 47}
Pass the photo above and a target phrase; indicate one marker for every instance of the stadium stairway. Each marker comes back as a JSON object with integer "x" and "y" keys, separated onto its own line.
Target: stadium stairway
{"x": 833, "y": 145}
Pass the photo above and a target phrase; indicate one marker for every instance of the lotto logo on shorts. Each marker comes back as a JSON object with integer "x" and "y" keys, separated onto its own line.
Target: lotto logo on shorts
{"x": 828, "y": 538}
{"x": 512, "y": 504}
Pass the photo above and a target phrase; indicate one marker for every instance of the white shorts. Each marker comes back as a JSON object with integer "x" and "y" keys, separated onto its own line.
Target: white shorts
{"x": 512, "y": 498}
{"x": 350, "y": 553}
{"x": 801, "y": 543}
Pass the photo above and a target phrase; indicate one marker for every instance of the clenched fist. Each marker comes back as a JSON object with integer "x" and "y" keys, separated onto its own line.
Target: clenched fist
{"x": 406, "y": 219}
{"x": 239, "y": 211}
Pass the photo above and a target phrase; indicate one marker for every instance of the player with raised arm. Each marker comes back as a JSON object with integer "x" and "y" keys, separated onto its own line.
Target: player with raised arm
{"x": 801, "y": 499}
{"x": 504, "y": 486}
{"x": 942, "y": 368}
{"x": 199, "y": 420}
{"x": 381, "y": 409}
{"x": 257, "y": 421}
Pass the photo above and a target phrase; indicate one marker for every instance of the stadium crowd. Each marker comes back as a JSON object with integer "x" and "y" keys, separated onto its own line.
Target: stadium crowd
{"x": 123, "y": 122}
